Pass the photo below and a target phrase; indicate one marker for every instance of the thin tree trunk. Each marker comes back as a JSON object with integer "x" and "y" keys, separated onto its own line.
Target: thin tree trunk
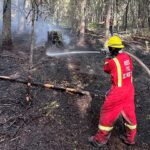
{"x": 138, "y": 17}
{"x": 83, "y": 24}
{"x": 149, "y": 21}
{"x": 148, "y": 8}
{"x": 6, "y": 33}
{"x": 108, "y": 17}
{"x": 133, "y": 17}
{"x": 117, "y": 12}
{"x": 73, "y": 16}
{"x": 126, "y": 16}
{"x": 32, "y": 36}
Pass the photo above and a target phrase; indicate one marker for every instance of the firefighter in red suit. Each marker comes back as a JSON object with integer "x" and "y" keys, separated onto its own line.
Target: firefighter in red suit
{"x": 120, "y": 99}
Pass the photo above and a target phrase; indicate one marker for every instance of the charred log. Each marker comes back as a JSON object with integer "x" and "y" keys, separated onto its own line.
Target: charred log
{"x": 54, "y": 38}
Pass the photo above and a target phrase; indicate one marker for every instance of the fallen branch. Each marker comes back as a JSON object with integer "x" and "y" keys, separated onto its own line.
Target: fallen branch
{"x": 47, "y": 85}
{"x": 142, "y": 38}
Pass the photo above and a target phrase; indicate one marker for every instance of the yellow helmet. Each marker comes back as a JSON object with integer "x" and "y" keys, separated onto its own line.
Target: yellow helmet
{"x": 115, "y": 42}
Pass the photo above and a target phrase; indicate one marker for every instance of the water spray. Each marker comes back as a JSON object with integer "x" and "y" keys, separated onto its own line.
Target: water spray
{"x": 103, "y": 51}
{"x": 56, "y": 54}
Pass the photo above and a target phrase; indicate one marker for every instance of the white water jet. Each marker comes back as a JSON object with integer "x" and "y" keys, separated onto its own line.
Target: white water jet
{"x": 55, "y": 54}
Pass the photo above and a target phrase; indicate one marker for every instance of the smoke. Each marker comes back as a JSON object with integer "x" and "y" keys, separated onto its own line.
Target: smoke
{"x": 41, "y": 29}
{"x": 20, "y": 25}
{"x": 66, "y": 39}
{"x": 18, "y": 17}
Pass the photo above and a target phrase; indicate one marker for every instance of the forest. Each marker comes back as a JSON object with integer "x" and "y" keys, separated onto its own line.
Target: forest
{"x": 52, "y": 83}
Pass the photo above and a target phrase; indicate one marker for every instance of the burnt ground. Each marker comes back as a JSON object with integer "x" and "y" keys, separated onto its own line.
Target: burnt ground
{"x": 56, "y": 120}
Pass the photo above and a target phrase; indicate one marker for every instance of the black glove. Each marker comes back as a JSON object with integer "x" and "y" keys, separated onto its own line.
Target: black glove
{"x": 105, "y": 51}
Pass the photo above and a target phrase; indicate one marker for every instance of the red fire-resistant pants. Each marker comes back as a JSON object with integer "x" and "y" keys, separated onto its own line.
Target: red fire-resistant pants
{"x": 120, "y": 100}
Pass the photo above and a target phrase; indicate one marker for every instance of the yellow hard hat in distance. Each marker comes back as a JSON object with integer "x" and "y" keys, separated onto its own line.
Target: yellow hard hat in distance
{"x": 115, "y": 42}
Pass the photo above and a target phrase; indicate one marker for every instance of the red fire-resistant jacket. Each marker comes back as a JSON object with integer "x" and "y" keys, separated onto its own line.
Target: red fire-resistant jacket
{"x": 120, "y": 69}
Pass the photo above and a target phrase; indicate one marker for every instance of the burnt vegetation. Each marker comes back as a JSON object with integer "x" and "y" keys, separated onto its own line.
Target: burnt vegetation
{"x": 53, "y": 103}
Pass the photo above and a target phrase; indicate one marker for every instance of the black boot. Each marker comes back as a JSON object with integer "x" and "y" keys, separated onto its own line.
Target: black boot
{"x": 126, "y": 141}
{"x": 95, "y": 143}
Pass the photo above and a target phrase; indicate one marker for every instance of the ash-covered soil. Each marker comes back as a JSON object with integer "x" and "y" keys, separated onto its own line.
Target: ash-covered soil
{"x": 56, "y": 120}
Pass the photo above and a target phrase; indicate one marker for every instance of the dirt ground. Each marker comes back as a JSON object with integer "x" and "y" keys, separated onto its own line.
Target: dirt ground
{"x": 56, "y": 120}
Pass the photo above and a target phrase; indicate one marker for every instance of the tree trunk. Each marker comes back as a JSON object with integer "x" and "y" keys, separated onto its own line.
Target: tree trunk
{"x": 126, "y": 16}
{"x": 73, "y": 5}
{"x": 117, "y": 12}
{"x": 108, "y": 17}
{"x": 6, "y": 33}
{"x": 149, "y": 21}
{"x": 148, "y": 9}
{"x": 133, "y": 19}
{"x": 32, "y": 36}
{"x": 83, "y": 24}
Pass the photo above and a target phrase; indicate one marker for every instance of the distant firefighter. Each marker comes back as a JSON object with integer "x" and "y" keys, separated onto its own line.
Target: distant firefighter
{"x": 111, "y": 26}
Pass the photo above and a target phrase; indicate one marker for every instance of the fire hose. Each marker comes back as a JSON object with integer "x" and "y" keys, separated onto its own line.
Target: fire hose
{"x": 140, "y": 62}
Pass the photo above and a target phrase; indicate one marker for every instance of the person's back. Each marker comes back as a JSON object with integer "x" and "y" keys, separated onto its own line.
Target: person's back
{"x": 120, "y": 68}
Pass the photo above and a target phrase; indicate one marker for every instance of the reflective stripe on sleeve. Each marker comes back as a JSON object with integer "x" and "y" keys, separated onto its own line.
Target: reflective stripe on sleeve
{"x": 119, "y": 72}
{"x": 132, "y": 127}
{"x": 105, "y": 128}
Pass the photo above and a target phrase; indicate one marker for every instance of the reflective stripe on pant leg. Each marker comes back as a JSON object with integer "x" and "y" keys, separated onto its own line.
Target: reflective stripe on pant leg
{"x": 131, "y": 132}
{"x": 105, "y": 128}
{"x": 132, "y": 127}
